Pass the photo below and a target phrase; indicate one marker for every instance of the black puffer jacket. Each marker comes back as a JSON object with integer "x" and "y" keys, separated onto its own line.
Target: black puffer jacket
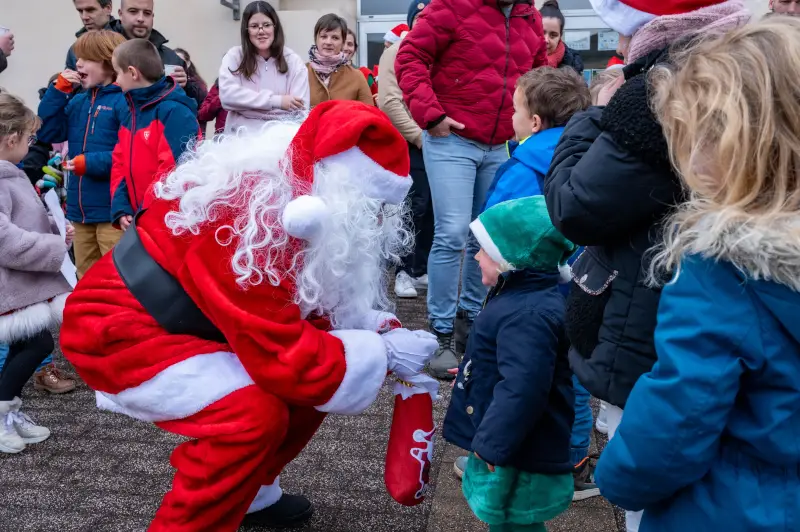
{"x": 572, "y": 59}
{"x": 609, "y": 188}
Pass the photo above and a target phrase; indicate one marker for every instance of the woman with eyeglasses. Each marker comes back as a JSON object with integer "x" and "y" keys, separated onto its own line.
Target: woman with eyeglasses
{"x": 262, "y": 79}
{"x": 330, "y": 73}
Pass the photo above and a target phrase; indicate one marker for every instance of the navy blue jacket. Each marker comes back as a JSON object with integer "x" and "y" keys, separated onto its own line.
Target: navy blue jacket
{"x": 709, "y": 439}
{"x": 90, "y": 122}
{"x": 513, "y": 399}
{"x": 523, "y": 174}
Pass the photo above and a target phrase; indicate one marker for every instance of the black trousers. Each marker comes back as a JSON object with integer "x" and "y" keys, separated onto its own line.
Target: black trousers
{"x": 419, "y": 197}
{"x": 23, "y": 359}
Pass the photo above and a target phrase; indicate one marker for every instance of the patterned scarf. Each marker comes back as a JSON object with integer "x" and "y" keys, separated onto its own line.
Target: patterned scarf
{"x": 556, "y": 57}
{"x": 325, "y": 66}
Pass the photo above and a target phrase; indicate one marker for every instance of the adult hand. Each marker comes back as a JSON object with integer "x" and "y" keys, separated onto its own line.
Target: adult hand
{"x": 125, "y": 222}
{"x": 291, "y": 103}
{"x": 409, "y": 351}
{"x": 490, "y": 466}
{"x": 69, "y": 234}
{"x": 180, "y": 77}
{"x": 71, "y": 76}
{"x": 7, "y": 43}
{"x": 454, "y": 372}
{"x": 607, "y": 92}
{"x": 443, "y": 129}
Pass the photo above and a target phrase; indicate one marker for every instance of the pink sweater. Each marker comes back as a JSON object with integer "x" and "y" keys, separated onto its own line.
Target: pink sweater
{"x": 251, "y": 102}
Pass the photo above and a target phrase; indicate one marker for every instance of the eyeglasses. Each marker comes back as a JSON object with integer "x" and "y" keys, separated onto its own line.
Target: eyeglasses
{"x": 32, "y": 140}
{"x": 255, "y": 28}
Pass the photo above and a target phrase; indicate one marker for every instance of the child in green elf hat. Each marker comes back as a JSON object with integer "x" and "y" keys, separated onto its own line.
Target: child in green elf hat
{"x": 512, "y": 404}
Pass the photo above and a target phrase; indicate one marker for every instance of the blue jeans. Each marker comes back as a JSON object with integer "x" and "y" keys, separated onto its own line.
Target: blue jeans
{"x": 582, "y": 427}
{"x": 4, "y": 354}
{"x": 460, "y": 172}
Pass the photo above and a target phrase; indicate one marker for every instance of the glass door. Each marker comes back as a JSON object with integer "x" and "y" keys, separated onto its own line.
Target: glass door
{"x": 370, "y": 40}
{"x": 592, "y": 39}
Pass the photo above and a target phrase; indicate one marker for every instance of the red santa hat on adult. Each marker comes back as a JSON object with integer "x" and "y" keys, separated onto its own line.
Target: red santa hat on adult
{"x": 627, "y": 16}
{"x": 396, "y": 33}
{"x": 353, "y": 135}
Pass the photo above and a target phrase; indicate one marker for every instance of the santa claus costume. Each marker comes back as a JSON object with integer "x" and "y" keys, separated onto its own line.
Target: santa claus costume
{"x": 241, "y": 308}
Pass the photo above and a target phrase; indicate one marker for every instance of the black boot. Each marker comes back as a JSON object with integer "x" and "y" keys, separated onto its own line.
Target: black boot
{"x": 444, "y": 358}
{"x": 461, "y": 329}
{"x": 291, "y": 511}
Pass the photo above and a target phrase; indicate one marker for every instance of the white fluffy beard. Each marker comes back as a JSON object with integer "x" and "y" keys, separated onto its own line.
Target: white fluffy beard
{"x": 341, "y": 274}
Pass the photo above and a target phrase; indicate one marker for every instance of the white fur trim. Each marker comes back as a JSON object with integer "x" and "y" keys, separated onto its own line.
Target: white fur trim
{"x": 391, "y": 37}
{"x": 621, "y": 17}
{"x": 488, "y": 245}
{"x": 378, "y": 182}
{"x": 305, "y": 217}
{"x": 367, "y": 364}
{"x": 565, "y": 273}
{"x": 266, "y": 496}
{"x": 26, "y": 322}
{"x": 181, "y": 390}
{"x": 616, "y": 67}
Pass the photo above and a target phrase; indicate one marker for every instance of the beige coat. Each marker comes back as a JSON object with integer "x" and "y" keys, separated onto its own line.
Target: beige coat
{"x": 390, "y": 98}
{"x": 347, "y": 83}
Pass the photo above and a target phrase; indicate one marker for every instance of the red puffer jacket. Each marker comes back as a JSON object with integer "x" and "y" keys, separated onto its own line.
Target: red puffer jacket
{"x": 462, "y": 60}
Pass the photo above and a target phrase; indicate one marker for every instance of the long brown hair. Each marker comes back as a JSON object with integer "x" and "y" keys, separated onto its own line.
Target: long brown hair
{"x": 249, "y": 53}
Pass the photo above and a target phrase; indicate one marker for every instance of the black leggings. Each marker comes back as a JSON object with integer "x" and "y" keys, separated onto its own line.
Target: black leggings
{"x": 23, "y": 359}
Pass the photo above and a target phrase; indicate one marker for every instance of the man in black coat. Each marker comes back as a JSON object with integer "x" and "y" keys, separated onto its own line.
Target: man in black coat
{"x": 95, "y": 15}
{"x": 6, "y": 47}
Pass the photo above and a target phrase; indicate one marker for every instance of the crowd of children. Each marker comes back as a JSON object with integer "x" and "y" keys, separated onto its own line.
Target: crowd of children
{"x": 711, "y": 406}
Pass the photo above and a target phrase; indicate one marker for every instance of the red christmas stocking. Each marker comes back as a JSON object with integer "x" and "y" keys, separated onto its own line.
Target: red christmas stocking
{"x": 408, "y": 457}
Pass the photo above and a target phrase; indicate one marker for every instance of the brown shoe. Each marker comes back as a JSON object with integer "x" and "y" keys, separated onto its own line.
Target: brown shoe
{"x": 51, "y": 379}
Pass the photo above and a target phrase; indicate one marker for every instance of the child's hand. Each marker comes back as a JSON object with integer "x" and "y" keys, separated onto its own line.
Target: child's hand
{"x": 69, "y": 165}
{"x": 69, "y": 234}
{"x": 490, "y": 466}
{"x": 71, "y": 76}
{"x": 453, "y": 371}
{"x": 125, "y": 222}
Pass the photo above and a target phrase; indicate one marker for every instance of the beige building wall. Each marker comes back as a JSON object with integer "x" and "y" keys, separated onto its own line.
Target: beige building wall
{"x": 203, "y": 27}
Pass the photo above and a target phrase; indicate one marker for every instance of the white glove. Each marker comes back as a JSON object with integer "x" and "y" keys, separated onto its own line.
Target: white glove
{"x": 409, "y": 351}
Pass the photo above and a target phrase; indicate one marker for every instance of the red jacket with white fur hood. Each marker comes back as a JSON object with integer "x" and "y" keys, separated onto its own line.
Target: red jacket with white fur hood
{"x": 462, "y": 59}
{"x": 32, "y": 289}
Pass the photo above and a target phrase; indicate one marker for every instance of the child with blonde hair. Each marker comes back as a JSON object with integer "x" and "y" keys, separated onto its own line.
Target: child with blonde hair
{"x": 709, "y": 436}
{"x": 32, "y": 289}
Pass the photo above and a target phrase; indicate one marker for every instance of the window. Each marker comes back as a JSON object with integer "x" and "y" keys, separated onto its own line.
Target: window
{"x": 383, "y": 7}
{"x": 574, "y": 4}
{"x": 370, "y": 41}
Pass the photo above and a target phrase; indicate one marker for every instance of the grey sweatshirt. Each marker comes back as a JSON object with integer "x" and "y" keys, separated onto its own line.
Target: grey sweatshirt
{"x": 32, "y": 289}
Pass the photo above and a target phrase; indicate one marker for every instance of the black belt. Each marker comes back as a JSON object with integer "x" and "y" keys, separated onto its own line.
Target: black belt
{"x": 158, "y": 292}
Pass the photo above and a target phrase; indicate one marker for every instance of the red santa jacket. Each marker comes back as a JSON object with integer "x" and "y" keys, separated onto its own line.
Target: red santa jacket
{"x": 117, "y": 347}
{"x": 161, "y": 122}
{"x": 463, "y": 59}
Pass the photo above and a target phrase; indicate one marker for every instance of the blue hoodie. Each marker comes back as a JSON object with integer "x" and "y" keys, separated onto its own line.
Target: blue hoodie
{"x": 523, "y": 174}
{"x": 710, "y": 438}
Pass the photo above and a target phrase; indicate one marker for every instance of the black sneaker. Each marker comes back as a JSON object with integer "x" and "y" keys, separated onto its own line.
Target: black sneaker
{"x": 444, "y": 358}
{"x": 583, "y": 474}
{"x": 461, "y": 329}
{"x": 291, "y": 511}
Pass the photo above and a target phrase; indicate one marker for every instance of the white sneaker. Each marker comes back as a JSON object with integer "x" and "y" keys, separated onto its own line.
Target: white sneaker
{"x": 29, "y": 431}
{"x": 10, "y": 441}
{"x": 404, "y": 286}
{"x": 421, "y": 283}
{"x": 602, "y": 420}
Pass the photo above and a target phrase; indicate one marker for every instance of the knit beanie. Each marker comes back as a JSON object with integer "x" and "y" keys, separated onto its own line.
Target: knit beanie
{"x": 627, "y": 16}
{"x": 518, "y": 234}
{"x": 414, "y": 9}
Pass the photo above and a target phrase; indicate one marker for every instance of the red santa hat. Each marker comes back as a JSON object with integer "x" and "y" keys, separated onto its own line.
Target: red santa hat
{"x": 615, "y": 63}
{"x": 357, "y": 136}
{"x": 396, "y": 33}
{"x": 627, "y": 16}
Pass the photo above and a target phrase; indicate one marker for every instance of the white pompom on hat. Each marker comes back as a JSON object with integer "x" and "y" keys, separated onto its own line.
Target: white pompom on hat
{"x": 627, "y": 16}
{"x": 356, "y": 136}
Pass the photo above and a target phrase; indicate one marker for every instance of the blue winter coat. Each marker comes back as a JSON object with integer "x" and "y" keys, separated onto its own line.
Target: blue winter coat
{"x": 523, "y": 174}
{"x": 90, "y": 121}
{"x": 513, "y": 399}
{"x": 710, "y": 438}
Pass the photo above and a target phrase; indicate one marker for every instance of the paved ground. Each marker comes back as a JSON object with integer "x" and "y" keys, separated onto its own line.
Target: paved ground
{"x": 102, "y": 472}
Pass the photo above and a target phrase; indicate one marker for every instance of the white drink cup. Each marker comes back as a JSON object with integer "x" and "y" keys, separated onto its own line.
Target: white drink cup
{"x": 170, "y": 69}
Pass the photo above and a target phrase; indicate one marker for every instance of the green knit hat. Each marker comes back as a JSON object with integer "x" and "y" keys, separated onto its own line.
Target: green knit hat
{"x": 518, "y": 234}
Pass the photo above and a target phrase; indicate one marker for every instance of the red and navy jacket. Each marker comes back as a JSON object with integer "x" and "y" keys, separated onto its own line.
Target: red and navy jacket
{"x": 89, "y": 121}
{"x": 160, "y": 124}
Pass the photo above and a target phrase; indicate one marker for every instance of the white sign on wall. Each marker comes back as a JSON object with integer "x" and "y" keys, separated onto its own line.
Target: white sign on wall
{"x": 578, "y": 40}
